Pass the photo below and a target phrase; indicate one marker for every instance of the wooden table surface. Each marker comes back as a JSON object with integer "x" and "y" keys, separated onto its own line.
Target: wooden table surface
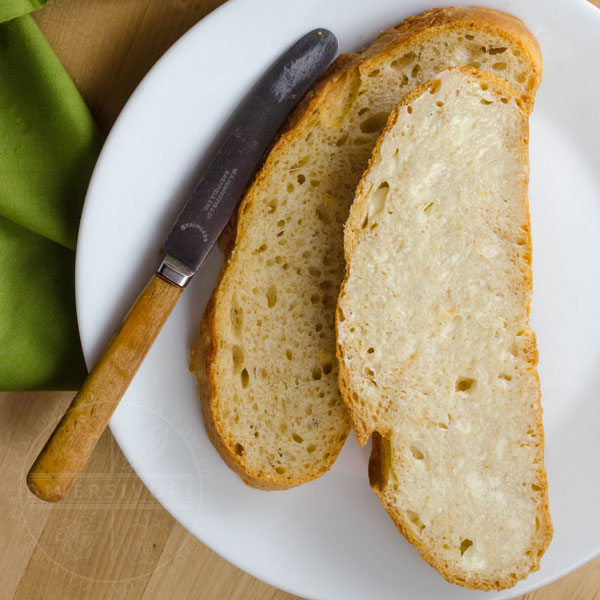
{"x": 115, "y": 541}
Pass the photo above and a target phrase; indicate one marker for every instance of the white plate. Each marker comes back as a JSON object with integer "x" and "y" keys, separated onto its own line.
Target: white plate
{"x": 331, "y": 538}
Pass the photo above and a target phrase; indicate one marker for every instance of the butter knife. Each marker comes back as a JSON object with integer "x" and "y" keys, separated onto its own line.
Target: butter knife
{"x": 204, "y": 216}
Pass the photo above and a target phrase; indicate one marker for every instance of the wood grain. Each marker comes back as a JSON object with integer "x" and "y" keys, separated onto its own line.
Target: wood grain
{"x": 117, "y": 542}
{"x": 76, "y": 435}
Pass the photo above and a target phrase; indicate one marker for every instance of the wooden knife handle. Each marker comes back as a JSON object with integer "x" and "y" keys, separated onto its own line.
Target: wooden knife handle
{"x": 70, "y": 445}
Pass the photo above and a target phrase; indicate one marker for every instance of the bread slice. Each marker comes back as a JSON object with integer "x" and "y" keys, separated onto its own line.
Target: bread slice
{"x": 265, "y": 359}
{"x": 435, "y": 349}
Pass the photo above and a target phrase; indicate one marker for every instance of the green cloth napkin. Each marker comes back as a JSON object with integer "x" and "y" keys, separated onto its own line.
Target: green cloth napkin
{"x": 10, "y": 9}
{"x": 48, "y": 146}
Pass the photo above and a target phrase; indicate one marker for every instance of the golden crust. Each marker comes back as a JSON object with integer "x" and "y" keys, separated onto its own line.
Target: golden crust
{"x": 378, "y": 457}
{"x": 321, "y": 103}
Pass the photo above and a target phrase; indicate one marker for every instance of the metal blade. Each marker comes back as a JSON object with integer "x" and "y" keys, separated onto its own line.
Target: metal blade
{"x": 256, "y": 121}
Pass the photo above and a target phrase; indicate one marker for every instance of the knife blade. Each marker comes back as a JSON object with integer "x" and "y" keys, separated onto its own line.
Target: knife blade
{"x": 257, "y": 120}
{"x": 203, "y": 217}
